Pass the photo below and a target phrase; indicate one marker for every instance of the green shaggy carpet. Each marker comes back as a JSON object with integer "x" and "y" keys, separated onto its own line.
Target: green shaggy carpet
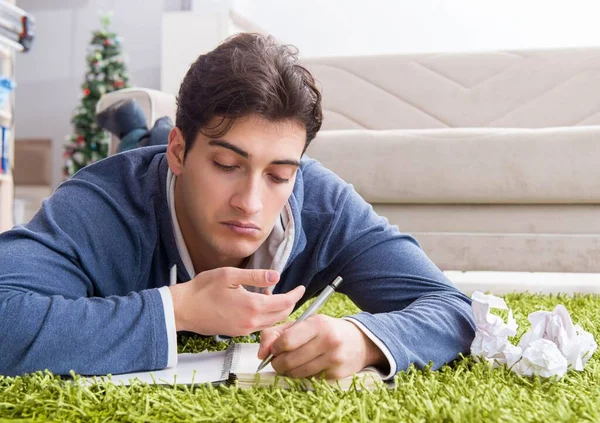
{"x": 463, "y": 391}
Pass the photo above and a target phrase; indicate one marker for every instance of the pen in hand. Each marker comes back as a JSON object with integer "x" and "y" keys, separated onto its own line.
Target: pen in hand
{"x": 312, "y": 309}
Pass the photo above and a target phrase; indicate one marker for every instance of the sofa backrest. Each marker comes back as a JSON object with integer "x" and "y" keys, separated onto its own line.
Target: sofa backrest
{"x": 519, "y": 89}
{"x": 514, "y": 89}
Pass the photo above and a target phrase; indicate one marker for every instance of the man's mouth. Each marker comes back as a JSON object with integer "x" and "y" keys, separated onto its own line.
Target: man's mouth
{"x": 244, "y": 228}
{"x": 249, "y": 225}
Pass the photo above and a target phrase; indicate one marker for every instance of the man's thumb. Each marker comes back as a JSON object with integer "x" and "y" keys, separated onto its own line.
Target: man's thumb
{"x": 261, "y": 278}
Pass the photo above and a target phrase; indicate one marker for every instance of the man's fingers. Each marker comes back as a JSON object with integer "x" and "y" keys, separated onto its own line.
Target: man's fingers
{"x": 263, "y": 319}
{"x": 308, "y": 368}
{"x": 268, "y": 320}
{"x": 279, "y": 302}
{"x": 302, "y": 334}
{"x": 269, "y": 335}
{"x": 234, "y": 277}
{"x": 254, "y": 277}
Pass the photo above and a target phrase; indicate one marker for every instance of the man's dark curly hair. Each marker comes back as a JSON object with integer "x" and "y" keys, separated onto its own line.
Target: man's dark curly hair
{"x": 247, "y": 74}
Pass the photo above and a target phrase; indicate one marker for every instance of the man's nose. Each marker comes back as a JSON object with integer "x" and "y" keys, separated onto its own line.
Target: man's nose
{"x": 248, "y": 198}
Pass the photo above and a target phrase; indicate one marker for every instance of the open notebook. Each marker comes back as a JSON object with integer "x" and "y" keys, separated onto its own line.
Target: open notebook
{"x": 236, "y": 365}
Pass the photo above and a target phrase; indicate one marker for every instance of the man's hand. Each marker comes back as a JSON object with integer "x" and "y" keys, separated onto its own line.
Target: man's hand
{"x": 216, "y": 303}
{"x": 319, "y": 344}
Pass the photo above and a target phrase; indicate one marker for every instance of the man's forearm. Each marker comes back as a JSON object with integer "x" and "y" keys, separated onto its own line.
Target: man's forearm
{"x": 87, "y": 335}
{"x": 435, "y": 328}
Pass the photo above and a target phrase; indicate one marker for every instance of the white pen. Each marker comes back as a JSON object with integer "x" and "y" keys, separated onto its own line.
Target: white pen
{"x": 312, "y": 309}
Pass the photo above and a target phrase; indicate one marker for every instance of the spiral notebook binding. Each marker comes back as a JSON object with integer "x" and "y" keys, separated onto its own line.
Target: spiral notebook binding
{"x": 232, "y": 358}
{"x": 232, "y": 379}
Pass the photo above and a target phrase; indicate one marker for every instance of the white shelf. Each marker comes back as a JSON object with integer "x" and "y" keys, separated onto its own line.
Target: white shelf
{"x": 10, "y": 43}
{"x": 7, "y": 57}
{"x": 4, "y": 52}
{"x": 5, "y": 117}
{"x": 6, "y": 202}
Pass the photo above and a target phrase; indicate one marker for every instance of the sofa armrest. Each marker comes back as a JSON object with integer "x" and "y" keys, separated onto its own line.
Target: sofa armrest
{"x": 154, "y": 104}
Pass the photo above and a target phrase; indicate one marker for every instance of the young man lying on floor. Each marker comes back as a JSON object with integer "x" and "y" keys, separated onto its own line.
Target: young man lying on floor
{"x": 253, "y": 227}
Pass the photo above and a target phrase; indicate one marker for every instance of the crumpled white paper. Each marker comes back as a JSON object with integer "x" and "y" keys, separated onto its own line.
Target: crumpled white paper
{"x": 551, "y": 345}
{"x": 573, "y": 342}
{"x": 491, "y": 337}
{"x": 543, "y": 358}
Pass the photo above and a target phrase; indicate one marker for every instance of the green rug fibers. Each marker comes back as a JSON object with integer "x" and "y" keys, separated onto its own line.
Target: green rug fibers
{"x": 463, "y": 391}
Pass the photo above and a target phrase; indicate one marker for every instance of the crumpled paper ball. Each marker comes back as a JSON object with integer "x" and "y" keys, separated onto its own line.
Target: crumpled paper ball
{"x": 543, "y": 358}
{"x": 491, "y": 337}
{"x": 573, "y": 342}
{"x": 551, "y": 345}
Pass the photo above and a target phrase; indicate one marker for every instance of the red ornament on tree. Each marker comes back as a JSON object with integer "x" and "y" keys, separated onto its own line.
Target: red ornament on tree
{"x": 118, "y": 84}
{"x": 107, "y": 42}
{"x": 80, "y": 139}
{"x": 86, "y": 92}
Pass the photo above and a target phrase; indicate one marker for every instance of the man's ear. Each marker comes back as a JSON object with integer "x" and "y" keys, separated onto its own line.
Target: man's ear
{"x": 175, "y": 151}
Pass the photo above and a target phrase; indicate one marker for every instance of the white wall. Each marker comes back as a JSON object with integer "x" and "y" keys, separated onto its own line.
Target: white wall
{"x": 353, "y": 27}
{"x": 185, "y": 36}
{"x": 49, "y": 76}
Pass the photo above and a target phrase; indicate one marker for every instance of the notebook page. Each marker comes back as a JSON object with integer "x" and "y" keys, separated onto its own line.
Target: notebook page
{"x": 246, "y": 362}
{"x": 207, "y": 366}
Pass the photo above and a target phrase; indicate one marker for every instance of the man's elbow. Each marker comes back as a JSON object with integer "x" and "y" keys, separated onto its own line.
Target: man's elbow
{"x": 465, "y": 322}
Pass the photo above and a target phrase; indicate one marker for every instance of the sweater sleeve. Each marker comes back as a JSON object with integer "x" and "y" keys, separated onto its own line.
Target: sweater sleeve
{"x": 71, "y": 297}
{"x": 408, "y": 304}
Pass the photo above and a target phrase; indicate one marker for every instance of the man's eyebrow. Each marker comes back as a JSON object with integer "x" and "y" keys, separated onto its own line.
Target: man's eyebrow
{"x": 228, "y": 145}
{"x": 246, "y": 155}
{"x": 286, "y": 162}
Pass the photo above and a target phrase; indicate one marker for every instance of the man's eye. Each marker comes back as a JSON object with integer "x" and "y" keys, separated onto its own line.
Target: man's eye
{"x": 224, "y": 167}
{"x": 279, "y": 180}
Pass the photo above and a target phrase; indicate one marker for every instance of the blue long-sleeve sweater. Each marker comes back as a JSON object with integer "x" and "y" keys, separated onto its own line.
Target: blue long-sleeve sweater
{"x": 79, "y": 283}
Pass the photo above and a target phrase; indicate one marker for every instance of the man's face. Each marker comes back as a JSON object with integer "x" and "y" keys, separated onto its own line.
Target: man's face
{"x": 233, "y": 188}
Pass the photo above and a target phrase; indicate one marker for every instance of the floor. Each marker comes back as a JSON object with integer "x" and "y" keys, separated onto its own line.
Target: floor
{"x": 499, "y": 283}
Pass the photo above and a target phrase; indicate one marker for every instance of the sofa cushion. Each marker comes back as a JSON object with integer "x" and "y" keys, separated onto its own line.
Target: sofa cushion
{"x": 466, "y": 165}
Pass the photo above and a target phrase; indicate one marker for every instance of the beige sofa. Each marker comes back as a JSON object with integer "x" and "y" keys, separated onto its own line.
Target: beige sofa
{"x": 491, "y": 160}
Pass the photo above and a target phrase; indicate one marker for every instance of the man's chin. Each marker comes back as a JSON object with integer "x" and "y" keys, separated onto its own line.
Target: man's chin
{"x": 239, "y": 250}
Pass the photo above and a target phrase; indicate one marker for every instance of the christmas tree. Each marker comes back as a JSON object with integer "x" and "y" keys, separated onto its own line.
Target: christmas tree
{"x": 107, "y": 72}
